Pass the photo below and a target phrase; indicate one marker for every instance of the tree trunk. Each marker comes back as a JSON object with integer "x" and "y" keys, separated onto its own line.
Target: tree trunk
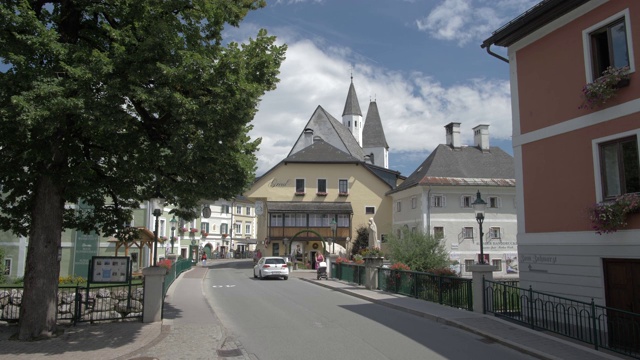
{"x": 39, "y": 301}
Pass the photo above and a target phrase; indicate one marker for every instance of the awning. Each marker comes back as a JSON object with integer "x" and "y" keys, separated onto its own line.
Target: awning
{"x": 310, "y": 207}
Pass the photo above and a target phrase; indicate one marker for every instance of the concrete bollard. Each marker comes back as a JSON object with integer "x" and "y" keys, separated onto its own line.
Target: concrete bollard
{"x": 153, "y": 289}
{"x": 371, "y": 266}
{"x": 479, "y": 271}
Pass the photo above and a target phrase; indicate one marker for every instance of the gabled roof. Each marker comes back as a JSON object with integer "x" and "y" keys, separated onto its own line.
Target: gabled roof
{"x": 389, "y": 176}
{"x": 352, "y": 107}
{"x": 372, "y": 132}
{"x": 463, "y": 166}
{"x": 331, "y": 131}
{"x": 322, "y": 152}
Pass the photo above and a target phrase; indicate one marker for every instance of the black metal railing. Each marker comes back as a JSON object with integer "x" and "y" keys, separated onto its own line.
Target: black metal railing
{"x": 446, "y": 290}
{"x": 600, "y": 326}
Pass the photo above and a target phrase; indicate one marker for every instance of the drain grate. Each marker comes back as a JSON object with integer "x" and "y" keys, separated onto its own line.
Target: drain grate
{"x": 229, "y": 353}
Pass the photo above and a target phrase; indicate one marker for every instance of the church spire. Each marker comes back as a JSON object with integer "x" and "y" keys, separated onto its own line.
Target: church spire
{"x": 352, "y": 115}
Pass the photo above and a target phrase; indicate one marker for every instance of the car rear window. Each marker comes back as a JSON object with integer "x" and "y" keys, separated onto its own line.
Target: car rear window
{"x": 275, "y": 261}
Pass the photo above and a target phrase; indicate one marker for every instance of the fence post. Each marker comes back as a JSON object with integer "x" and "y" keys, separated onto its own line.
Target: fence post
{"x": 153, "y": 293}
{"x": 440, "y": 289}
{"x": 533, "y": 323}
{"x": 595, "y": 326}
{"x": 480, "y": 272}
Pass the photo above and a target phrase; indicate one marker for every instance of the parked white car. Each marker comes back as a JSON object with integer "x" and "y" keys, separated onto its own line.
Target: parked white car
{"x": 271, "y": 266}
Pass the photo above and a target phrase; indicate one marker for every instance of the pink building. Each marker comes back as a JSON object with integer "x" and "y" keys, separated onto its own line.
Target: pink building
{"x": 570, "y": 156}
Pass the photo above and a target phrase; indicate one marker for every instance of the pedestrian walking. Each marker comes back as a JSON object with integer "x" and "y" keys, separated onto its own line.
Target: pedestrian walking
{"x": 204, "y": 258}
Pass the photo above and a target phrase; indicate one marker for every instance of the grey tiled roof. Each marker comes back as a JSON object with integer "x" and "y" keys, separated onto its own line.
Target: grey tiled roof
{"x": 310, "y": 206}
{"x": 352, "y": 107}
{"x": 372, "y": 132}
{"x": 464, "y": 166}
{"x": 320, "y": 151}
{"x": 389, "y": 176}
{"x": 331, "y": 131}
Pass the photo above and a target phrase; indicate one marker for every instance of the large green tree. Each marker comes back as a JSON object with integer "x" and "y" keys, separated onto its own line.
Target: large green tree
{"x": 422, "y": 252}
{"x": 109, "y": 101}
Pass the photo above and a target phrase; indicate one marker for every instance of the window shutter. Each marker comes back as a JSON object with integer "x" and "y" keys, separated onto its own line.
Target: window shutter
{"x": 444, "y": 201}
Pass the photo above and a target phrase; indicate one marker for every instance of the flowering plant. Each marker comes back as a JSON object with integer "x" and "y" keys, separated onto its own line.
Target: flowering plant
{"x": 183, "y": 229}
{"x": 193, "y": 230}
{"x": 204, "y": 233}
{"x": 400, "y": 266}
{"x": 603, "y": 88}
{"x": 609, "y": 217}
{"x": 342, "y": 260}
{"x": 374, "y": 252}
{"x": 163, "y": 238}
{"x": 166, "y": 263}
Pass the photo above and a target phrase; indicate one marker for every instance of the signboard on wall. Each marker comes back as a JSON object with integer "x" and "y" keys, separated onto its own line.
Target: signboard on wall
{"x": 110, "y": 269}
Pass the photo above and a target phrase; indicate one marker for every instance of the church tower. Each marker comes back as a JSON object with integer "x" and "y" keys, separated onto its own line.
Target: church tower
{"x": 352, "y": 116}
{"x": 374, "y": 141}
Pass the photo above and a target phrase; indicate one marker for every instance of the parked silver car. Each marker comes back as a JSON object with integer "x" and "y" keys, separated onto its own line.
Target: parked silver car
{"x": 271, "y": 266}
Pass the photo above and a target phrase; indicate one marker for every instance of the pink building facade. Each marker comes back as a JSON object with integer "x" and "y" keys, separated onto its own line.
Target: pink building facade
{"x": 568, "y": 156}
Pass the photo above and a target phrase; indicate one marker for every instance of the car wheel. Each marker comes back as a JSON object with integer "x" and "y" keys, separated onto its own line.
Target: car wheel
{"x": 260, "y": 276}
{"x": 254, "y": 275}
{"x": 286, "y": 277}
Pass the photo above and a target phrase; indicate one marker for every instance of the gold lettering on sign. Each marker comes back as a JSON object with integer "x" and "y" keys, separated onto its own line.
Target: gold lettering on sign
{"x": 279, "y": 183}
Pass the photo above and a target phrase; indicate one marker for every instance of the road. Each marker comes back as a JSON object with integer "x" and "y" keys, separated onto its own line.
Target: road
{"x": 293, "y": 319}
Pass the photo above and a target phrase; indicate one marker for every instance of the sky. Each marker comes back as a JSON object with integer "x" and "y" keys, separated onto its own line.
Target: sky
{"x": 420, "y": 60}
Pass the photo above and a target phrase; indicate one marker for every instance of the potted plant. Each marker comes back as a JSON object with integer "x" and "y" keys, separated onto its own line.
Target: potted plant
{"x": 611, "y": 216}
{"x": 605, "y": 87}
{"x": 372, "y": 253}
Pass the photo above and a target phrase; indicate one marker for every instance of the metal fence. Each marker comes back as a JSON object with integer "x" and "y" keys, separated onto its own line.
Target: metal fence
{"x": 446, "y": 290}
{"x": 601, "y": 326}
{"x": 352, "y": 273}
{"x": 83, "y": 303}
{"x": 177, "y": 268}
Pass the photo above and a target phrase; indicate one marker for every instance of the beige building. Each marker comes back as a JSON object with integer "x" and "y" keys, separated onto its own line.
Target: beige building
{"x": 327, "y": 187}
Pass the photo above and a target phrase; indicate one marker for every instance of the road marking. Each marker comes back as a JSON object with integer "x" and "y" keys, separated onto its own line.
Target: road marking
{"x": 223, "y": 286}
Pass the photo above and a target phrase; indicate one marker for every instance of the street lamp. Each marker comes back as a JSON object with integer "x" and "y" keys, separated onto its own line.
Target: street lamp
{"x": 173, "y": 222}
{"x": 478, "y": 207}
{"x": 157, "y": 203}
{"x": 333, "y": 228}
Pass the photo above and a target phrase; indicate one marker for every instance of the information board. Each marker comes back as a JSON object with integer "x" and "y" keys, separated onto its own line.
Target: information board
{"x": 110, "y": 269}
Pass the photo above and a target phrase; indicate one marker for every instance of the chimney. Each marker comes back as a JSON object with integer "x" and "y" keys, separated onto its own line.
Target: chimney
{"x": 453, "y": 135}
{"x": 308, "y": 137}
{"x": 481, "y": 137}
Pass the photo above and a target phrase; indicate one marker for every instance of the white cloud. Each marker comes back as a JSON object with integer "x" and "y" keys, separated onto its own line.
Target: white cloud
{"x": 414, "y": 108}
{"x": 464, "y": 21}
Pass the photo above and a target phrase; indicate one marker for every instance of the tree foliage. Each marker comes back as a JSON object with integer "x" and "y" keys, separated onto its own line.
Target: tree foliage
{"x": 420, "y": 251}
{"x": 111, "y": 101}
{"x": 362, "y": 240}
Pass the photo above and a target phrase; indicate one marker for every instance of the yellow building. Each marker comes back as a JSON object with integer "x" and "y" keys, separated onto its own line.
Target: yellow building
{"x": 327, "y": 187}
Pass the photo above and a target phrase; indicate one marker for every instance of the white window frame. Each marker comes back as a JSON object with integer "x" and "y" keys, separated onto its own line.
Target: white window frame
{"x": 239, "y": 209}
{"x": 494, "y": 202}
{"x": 204, "y": 226}
{"x": 7, "y": 269}
{"x": 237, "y": 228}
{"x": 467, "y": 264}
{"x": 595, "y": 149}
{"x": 493, "y": 231}
{"x": 438, "y": 201}
{"x": 325, "y": 186}
{"x": 247, "y": 228}
{"x": 466, "y": 201}
{"x": 438, "y": 227}
{"x": 345, "y": 181}
{"x": 497, "y": 263}
{"x": 304, "y": 186}
{"x": 274, "y": 220}
{"x": 343, "y": 220}
{"x": 586, "y": 42}
{"x": 224, "y": 228}
{"x": 466, "y": 231}
{"x": 248, "y": 210}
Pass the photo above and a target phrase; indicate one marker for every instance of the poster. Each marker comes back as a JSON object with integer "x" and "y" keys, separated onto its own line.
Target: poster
{"x": 110, "y": 269}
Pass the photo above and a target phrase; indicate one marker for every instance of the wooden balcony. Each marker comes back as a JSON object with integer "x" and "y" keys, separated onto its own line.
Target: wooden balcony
{"x": 279, "y": 233}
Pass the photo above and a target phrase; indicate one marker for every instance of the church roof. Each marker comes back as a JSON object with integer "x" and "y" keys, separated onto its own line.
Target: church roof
{"x": 321, "y": 152}
{"x": 463, "y": 166}
{"x": 352, "y": 107}
{"x": 325, "y": 127}
{"x": 372, "y": 132}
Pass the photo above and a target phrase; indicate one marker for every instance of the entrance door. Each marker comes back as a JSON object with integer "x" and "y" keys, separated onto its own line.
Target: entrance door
{"x": 622, "y": 291}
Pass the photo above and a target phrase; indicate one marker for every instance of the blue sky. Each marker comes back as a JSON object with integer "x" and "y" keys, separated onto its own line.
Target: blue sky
{"x": 419, "y": 59}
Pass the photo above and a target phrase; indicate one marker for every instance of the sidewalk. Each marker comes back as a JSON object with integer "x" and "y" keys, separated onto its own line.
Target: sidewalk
{"x": 189, "y": 322}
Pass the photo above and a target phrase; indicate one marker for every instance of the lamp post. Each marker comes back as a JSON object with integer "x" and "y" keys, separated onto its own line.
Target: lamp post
{"x": 156, "y": 203}
{"x": 479, "y": 206}
{"x": 333, "y": 228}
{"x": 173, "y": 222}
